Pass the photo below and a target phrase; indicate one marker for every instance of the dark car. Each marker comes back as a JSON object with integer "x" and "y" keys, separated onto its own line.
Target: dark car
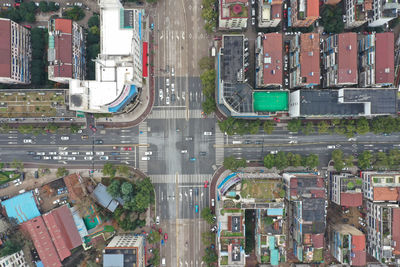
{"x": 5, "y": 197}
{"x": 99, "y": 142}
{"x": 345, "y": 220}
{"x": 37, "y": 157}
{"x": 203, "y": 153}
{"x": 114, "y": 153}
{"x": 173, "y": 98}
{"x": 4, "y": 185}
{"x": 31, "y": 153}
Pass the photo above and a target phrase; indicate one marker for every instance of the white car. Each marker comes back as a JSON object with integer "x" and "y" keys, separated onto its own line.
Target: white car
{"x": 71, "y": 158}
{"x": 99, "y": 153}
{"x": 89, "y": 153}
{"x": 167, "y": 100}
{"x": 27, "y": 141}
{"x": 57, "y": 158}
{"x": 63, "y": 153}
{"x": 158, "y": 220}
{"x": 18, "y": 183}
{"x": 40, "y": 153}
{"x": 88, "y": 158}
{"x": 161, "y": 94}
{"x": 172, "y": 87}
{"x": 56, "y": 201}
{"x": 64, "y": 138}
{"x": 46, "y": 158}
{"x": 331, "y": 147}
{"x": 293, "y": 142}
{"x": 172, "y": 72}
{"x": 145, "y": 158}
{"x": 147, "y": 153}
{"x": 104, "y": 158}
{"x": 52, "y": 153}
{"x": 212, "y": 202}
{"x": 207, "y": 133}
{"x": 74, "y": 153}
{"x": 183, "y": 151}
{"x": 167, "y": 82}
{"x": 274, "y": 152}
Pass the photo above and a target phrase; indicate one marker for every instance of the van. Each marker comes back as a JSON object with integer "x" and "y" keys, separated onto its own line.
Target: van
{"x": 331, "y": 147}
{"x": 236, "y": 142}
{"x": 163, "y": 261}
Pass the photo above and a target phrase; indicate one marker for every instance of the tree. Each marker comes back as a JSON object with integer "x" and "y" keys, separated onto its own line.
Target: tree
{"x": 227, "y": 125}
{"x": 308, "y": 128}
{"x": 312, "y": 161}
{"x": 208, "y": 82}
{"x": 364, "y": 160}
{"x": 269, "y": 161}
{"x": 114, "y": 189}
{"x": 61, "y": 172}
{"x": 109, "y": 170}
{"x": 234, "y": 164}
{"x": 349, "y": 161}
{"x": 10, "y": 247}
{"x": 206, "y": 63}
{"x": 74, "y": 128}
{"x": 207, "y": 238}
{"x": 209, "y": 105}
{"x": 281, "y": 160}
{"x": 362, "y": 126}
{"x": 155, "y": 260}
{"x": 126, "y": 188}
{"x": 141, "y": 202}
{"x": 76, "y": 13}
{"x": 207, "y": 215}
{"x": 154, "y": 237}
{"x": 323, "y": 127}
{"x": 53, "y": 6}
{"x": 17, "y": 164}
{"x": 43, "y": 6}
{"x": 381, "y": 159}
{"x": 94, "y": 30}
{"x": 210, "y": 256}
{"x": 254, "y": 126}
{"x": 94, "y": 21}
{"x": 268, "y": 126}
{"x": 294, "y": 125}
{"x": 123, "y": 170}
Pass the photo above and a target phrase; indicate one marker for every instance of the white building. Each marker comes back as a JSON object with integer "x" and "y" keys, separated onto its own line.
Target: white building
{"x": 15, "y": 53}
{"x": 118, "y": 66}
{"x": 14, "y": 260}
{"x": 125, "y": 250}
{"x": 383, "y": 11}
{"x": 269, "y": 13}
{"x": 233, "y": 14}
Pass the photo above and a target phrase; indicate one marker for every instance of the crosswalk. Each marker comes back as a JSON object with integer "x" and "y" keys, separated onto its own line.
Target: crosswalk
{"x": 143, "y": 140}
{"x": 176, "y": 114}
{"x": 182, "y": 179}
{"x": 219, "y": 150}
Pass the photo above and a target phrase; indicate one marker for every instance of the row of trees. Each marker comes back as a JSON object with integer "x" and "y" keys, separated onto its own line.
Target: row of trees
{"x": 26, "y": 11}
{"x": 208, "y": 238}
{"x": 51, "y": 6}
{"x": 233, "y": 126}
{"x": 207, "y": 77}
{"x": 92, "y": 45}
{"x": 368, "y": 160}
{"x": 36, "y": 130}
{"x": 111, "y": 170}
{"x": 137, "y": 198}
{"x": 232, "y": 163}
{"x": 210, "y": 15}
{"x": 282, "y": 160}
{"x": 348, "y": 127}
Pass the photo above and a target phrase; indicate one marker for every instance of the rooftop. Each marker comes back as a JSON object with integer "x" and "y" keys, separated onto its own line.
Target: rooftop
{"x": 232, "y": 59}
{"x": 386, "y": 193}
{"x": 396, "y": 232}
{"x": 21, "y": 207}
{"x": 313, "y": 210}
{"x": 42, "y": 241}
{"x": 73, "y": 183}
{"x": 63, "y": 54}
{"x": 271, "y": 101}
{"x": 63, "y": 25}
{"x": 384, "y": 58}
{"x": 351, "y": 199}
{"x": 312, "y": 8}
{"x": 309, "y": 58}
{"x": 128, "y": 257}
{"x": 5, "y": 47}
{"x": 101, "y": 195}
{"x": 272, "y": 64}
{"x": 347, "y": 58}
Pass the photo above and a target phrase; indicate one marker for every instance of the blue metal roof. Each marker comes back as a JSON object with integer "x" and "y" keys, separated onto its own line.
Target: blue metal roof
{"x": 21, "y": 207}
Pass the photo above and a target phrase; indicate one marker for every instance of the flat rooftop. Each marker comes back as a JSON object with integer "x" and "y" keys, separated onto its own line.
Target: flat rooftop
{"x": 272, "y": 62}
{"x": 232, "y": 58}
{"x": 383, "y": 101}
{"x": 271, "y": 101}
{"x": 309, "y": 58}
{"x": 347, "y": 58}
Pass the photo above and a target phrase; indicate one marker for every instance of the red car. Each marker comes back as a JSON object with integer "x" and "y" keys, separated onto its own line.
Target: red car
{"x": 277, "y": 119}
{"x": 92, "y": 128}
{"x": 165, "y": 236}
{"x": 160, "y": 231}
{"x": 28, "y": 26}
{"x": 127, "y": 148}
{"x": 205, "y": 184}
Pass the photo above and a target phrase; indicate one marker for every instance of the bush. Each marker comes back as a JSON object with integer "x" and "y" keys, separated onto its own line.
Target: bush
{"x": 75, "y": 13}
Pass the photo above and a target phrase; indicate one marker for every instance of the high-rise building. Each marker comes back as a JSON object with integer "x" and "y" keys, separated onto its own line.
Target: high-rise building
{"x": 15, "y": 53}
{"x": 125, "y": 250}
{"x": 66, "y": 53}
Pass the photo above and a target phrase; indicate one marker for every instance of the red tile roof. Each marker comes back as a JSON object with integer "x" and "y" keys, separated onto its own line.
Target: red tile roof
{"x": 63, "y": 49}
{"x": 272, "y": 48}
{"x": 359, "y": 259}
{"x": 63, "y": 25}
{"x": 318, "y": 240}
{"x": 62, "y": 228}
{"x": 358, "y": 249}
{"x": 309, "y": 58}
{"x": 42, "y": 241}
{"x": 5, "y": 48}
{"x": 386, "y": 193}
{"x": 75, "y": 190}
{"x": 358, "y": 242}
{"x": 351, "y": 199}
{"x": 318, "y": 193}
{"x": 276, "y": 11}
{"x": 312, "y": 8}
{"x": 384, "y": 57}
{"x": 347, "y": 58}
{"x": 395, "y": 230}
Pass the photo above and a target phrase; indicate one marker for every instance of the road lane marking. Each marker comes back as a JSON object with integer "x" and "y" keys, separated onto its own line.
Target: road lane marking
{"x": 176, "y": 217}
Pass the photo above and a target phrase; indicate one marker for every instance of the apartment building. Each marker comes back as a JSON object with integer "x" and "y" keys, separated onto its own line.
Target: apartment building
{"x": 340, "y": 60}
{"x": 303, "y": 13}
{"x": 347, "y": 244}
{"x": 269, "y": 13}
{"x": 125, "y": 250}
{"x": 382, "y": 192}
{"x": 307, "y": 198}
{"x": 376, "y": 59}
{"x": 233, "y": 14}
{"x": 304, "y": 60}
{"x": 15, "y": 53}
{"x": 383, "y": 11}
{"x": 357, "y": 12}
{"x": 16, "y": 259}
{"x": 345, "y": 190}
{"x": 66, "y": 52}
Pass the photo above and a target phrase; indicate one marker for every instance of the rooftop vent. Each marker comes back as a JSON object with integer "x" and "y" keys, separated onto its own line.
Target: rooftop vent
{"x": 267, "y": 60}
{"x": 273, "y": 72}
{"x": 349, "y": 47}
{"x": 311, "y": 73}
{"x": 311, "y": 53}
{"x": 349, "y": 71}
{"x": 387, "y": 70}
{"x": 312, "y": 36}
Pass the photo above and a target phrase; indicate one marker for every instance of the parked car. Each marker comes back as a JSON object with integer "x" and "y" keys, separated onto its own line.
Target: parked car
{"x": 158, "y": 220}
{"x": 147, "y": 153}
{"x": 104, "y": 158}
{"x": 52, "y": 153}
{"x": 37, "y": 157}
{"x": 90, "y": 153}
{"x": 196, "y": 208}
{"x": 31, "y": 153}
{"x": 83, "y": 137}
{"x": 4, "y": 185}
{"x": 145, "y": 158}
{"x": 165, "y": 236}
{"x": 99, "y": 153}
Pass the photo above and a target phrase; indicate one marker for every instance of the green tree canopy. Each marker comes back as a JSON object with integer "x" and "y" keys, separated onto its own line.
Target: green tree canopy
{"x": 323, "y": 127}
{"x": 294, "y": 125}
{"x": 234, "y": 164}
{"x": 210, "y": 256}
{"x": 209, "y": 105}
{"x": 126, "y": 188}
{"x": 61, "y": 172}
{"x": 206, "y": 63}
{"x": 43, "y": 6}
{"x": 207, "y": 215}
{"x": 281, "y": 160}
{"x": 364, "y": 160}
{"x": 109, "y": 170}
{"x": 269, "y": 161}
{"x": 94, "y": 21}
{"x": 114, "y": 189}
{"x": 268, "y": 126}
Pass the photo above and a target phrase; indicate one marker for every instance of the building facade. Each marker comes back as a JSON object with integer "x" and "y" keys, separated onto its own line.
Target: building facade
{"x": 345, "y": 190}
{"x": 15, "y": 53}
{"x": 383, "y": 11}
{"x": 66, "y": 52}
{"x": 14, "y": 260}
{"x": 233, "y": 14}
{"x": 304, "y": 60}
{"x": 340, "y": 60}
{"x": 376, "y": 59}
{"x": 269, "y": 13}
{"x": 303, "y": 13}
{"x": 125, "y": 250}
{"x": 357, "y": 13}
